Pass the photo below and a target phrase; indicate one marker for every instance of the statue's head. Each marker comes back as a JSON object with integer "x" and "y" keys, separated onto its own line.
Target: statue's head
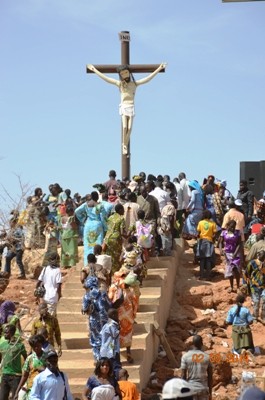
{"x": 124, "y": 73}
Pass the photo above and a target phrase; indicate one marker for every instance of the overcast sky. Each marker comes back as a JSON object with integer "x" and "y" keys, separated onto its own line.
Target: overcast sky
{"x": 59, "y": 124}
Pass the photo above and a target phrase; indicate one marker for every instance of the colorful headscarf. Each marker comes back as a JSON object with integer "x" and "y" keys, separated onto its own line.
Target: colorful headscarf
{"x": 7, "y": 309}
{"x": 195, "y": 185}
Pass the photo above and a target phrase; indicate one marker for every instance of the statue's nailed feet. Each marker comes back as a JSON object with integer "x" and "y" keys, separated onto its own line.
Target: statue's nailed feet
{"x": 124, "y": 149}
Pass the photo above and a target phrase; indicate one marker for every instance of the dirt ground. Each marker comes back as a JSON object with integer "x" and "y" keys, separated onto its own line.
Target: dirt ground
{"x": 22, "y": 291}
{"x": 197, "y": 307}
{"x": 201, "y": 307}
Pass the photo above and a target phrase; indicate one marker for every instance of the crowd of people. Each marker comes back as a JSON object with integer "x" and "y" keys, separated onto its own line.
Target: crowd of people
{"x": 120, "y": 225}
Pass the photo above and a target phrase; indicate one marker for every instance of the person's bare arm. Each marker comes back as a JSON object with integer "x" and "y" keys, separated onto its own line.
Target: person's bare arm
{"x": 23, "y": 380}
{"x": 59, "y": 290}
{"x": 183, "y": 374}
{"x": 85, "y": 393}
{"x": 103, "y": 76}
{"x": 151, "y": 76}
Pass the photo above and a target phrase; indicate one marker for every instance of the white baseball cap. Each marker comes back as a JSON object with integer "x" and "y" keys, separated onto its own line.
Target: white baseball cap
{"x": 238, "y": 202}
{"x": 177, "y": 387}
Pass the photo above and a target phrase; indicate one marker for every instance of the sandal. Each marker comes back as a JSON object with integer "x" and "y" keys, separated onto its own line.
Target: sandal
{"x": 130, "y": 360}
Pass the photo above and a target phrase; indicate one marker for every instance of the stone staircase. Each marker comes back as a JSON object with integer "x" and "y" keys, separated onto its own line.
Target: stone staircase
{"x": 156, "y": 294}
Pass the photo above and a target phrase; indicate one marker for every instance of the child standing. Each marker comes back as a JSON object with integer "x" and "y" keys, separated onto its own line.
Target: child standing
{"x": 144, "y": 233}
{"x": 128, "y": 389}
{"x": 110, "y": 341}
{"x": 205, "y": 249}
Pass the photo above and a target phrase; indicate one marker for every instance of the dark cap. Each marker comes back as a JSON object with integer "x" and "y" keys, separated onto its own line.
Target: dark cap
{"x": 51, "y": 353}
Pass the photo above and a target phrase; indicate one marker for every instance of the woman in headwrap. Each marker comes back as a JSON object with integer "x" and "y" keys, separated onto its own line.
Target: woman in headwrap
{"x": 195, "y": 209}
{"x": 93, "y": 215}
{"x": 95, "y": 304}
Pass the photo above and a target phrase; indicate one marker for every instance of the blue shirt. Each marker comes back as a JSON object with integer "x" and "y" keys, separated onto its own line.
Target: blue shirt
{"x": 48, "y": 386}
{"x": 110, "y": 339}
{"x": 244, "y": 317}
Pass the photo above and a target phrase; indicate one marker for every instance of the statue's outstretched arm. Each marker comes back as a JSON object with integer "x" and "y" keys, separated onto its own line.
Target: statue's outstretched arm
{"x": 151, "y": 76}
{"x": 103, "y": 76}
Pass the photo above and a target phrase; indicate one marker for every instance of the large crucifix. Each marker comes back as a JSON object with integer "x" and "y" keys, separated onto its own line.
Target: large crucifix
{"x": 127, "y": 86}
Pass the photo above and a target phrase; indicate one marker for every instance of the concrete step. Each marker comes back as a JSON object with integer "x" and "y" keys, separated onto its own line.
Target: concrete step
{"x": 151, "y": 274}
{"x": 160, "y": 262}
{"x": 77, "y": 360}
{"x": 80, "y": 340}
{"x": 74, "y": 304}
{"x": 79, "y": 366}
{"x": 147, "y": 297}
{"x": 74, "y": 358}
{"x": 152, "y": 283}
{"x": 83, "y": 327}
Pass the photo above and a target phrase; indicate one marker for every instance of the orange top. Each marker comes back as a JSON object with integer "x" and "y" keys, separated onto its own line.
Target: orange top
{"x": 129, "y": 390}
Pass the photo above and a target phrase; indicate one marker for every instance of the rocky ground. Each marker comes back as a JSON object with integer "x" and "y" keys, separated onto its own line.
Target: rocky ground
{"x": 201, "y": 307}
{"x": 197, "y": 307}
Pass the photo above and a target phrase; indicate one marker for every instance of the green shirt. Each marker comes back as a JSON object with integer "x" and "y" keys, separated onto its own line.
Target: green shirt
{"x": 11, "y": 356}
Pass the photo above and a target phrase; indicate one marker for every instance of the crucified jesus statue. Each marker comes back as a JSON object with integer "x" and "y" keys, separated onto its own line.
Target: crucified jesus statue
{"x": 127, "y": 86}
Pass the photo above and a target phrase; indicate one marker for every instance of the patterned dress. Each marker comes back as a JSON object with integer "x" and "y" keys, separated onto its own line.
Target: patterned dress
{"x": 127, "y": 313}
{"x": 94, "y": 217}
{"x": 231, "y": 240}
{"x": 113, "y": 239}
{"x": 33, "y": 365}
{"x": 96, "y": 304}
{"x": 69, "y": 241}
{"x": 196, "y": 208}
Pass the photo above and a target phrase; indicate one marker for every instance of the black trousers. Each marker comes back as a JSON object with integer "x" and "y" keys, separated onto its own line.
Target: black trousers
{"x": 9, "y": 384}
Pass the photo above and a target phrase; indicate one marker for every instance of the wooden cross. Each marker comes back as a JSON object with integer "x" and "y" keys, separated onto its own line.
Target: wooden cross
{"x": 134, "y": 68}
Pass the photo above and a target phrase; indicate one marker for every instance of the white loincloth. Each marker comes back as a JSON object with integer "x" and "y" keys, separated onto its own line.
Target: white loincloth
{"x": 126, "y": 109}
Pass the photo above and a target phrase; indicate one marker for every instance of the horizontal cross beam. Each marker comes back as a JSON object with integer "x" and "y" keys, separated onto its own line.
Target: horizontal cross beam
{"x": 133, "y": 68}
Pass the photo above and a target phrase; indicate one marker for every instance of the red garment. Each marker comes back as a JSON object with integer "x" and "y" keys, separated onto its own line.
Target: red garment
{"x": 255, "y": 228}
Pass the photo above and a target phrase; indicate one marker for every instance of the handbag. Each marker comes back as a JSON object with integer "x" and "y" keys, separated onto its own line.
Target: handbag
{"x": 40, "y": 291}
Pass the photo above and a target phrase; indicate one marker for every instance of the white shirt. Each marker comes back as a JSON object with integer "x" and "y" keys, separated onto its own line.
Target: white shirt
{"x": 51, "y": 277}
{"x": 162, "y": 197}
{"x": 105, "y": 261}
{"x": 186, "y": 193}
{"x": 48, "y": 386}
{"x": 179, "y": 195}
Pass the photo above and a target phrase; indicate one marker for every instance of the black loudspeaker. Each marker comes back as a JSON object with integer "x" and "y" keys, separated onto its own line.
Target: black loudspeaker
{"x": 254, "y": 173}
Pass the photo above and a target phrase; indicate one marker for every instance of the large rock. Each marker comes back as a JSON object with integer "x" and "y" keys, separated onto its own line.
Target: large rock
{"x": 222, "y": 373}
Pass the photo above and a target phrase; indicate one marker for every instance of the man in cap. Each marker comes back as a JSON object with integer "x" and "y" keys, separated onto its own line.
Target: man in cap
{"x": 196, "y": 368}
{"x": 177, "y": 388}
{"x": 51, "y": 383}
